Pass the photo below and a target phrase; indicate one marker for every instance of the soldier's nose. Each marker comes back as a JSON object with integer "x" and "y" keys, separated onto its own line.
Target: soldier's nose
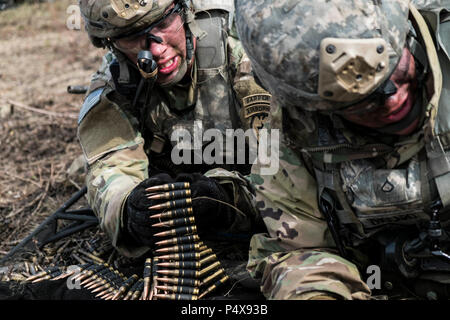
{"x": 157, "y": 49}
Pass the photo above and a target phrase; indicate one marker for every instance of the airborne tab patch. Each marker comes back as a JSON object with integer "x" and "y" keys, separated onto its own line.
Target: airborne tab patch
{"x": 256, "y": 111}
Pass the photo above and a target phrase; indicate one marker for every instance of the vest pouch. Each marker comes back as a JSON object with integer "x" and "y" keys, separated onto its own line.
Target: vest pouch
{"x": 380, "y": 197}
{"x": 211, "y": 50}
{"x": 214, "y": 101}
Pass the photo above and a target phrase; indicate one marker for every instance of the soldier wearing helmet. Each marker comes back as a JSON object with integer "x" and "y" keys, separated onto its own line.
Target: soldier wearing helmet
{"x": 171, "y": 65}
{"x": 363, "y": 90}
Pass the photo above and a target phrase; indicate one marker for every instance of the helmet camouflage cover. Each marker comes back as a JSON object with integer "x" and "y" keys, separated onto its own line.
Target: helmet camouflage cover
{"x": 303, "y": 50}
{"x": 111, "y": 18}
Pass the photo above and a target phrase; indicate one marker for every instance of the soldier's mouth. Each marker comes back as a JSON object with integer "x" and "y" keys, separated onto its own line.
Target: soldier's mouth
{"x": 169, "y": 66}
{"x": 401, "y": 112}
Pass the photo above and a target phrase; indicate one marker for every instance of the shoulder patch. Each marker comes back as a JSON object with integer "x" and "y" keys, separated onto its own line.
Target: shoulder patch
{"x": 91, "y": 100}
{"x": 104, "y": 129}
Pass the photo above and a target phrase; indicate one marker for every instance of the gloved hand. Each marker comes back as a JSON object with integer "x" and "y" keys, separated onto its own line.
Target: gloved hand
{"x": 209, "y": 214}
{"x": 136, "y": 213}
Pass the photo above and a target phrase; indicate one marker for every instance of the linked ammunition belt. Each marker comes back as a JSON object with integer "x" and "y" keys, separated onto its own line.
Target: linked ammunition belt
{"x": 181, "y": 266}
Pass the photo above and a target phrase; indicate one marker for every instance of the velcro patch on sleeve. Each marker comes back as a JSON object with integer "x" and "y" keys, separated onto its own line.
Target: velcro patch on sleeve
{"x": 104, "y": 129}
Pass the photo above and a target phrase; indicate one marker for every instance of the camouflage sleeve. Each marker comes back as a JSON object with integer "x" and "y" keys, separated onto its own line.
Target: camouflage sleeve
{"x": 287, "y": 202}
{"x": 116, "y": 160}
{"x": 304, "y": 274}
{"x": 296, "y": 259}
{"x": 237, "y": 56}
{"x": 110, "y": 180}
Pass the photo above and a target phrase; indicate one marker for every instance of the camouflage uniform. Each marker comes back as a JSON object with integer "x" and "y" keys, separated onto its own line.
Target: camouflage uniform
{"x": 122, "y": 144}
{"x": 296, "y": 259}
{"x": 377, "y": 182}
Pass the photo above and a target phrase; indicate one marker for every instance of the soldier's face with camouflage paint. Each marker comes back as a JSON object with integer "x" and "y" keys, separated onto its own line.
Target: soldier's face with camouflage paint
{"x": 396, "y": 106}
{"x": 170, "y": 55}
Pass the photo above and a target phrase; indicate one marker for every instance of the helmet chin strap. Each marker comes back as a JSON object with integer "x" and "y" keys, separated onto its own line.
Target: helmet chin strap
{"x": 188, "y": 18}
{"x": 189, "y": 44}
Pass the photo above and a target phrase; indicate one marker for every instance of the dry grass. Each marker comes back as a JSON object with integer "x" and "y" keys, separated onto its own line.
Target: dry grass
{"x": 33, "y": 17}
{"x": 40, "y": 57}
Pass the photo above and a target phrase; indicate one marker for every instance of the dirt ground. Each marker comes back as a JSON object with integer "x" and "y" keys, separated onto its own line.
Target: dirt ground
{"x": 39, "y": 58}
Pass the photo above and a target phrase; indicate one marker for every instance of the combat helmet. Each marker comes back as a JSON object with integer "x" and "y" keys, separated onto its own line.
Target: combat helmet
{"x": 105, "y": 19}
{"x": 323, "y": 55}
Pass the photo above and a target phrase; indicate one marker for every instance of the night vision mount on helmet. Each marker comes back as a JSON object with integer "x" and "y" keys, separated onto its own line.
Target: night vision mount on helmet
{"x": 328, "y": 63}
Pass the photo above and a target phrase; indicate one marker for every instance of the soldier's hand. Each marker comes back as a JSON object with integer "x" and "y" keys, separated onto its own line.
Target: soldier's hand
{"x": 136, "y": 213}
{"x": 161, "y": 203}
{"x": 208, "y": 198}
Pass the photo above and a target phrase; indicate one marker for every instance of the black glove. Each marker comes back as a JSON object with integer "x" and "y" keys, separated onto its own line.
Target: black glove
{"x": 210, "y": 215}
{"x": 137, "y": 215}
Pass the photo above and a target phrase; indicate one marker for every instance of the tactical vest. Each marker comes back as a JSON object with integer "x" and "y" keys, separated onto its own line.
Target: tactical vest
{"x": 373, "y": 185}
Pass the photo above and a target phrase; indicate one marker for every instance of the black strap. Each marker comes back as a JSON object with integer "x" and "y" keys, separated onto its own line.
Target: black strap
{"x": 419, "y": 54}
{"x": 189, "y": 45}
